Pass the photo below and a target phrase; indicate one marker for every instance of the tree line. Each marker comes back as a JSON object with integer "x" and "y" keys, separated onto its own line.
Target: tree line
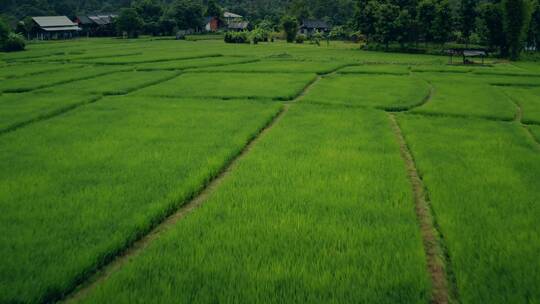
{"x": 505, "y": 26}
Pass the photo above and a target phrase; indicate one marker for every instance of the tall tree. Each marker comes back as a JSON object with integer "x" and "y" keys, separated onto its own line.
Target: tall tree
{"x": 386, "y": 25}
{"x": 213, "y": 9}
{"x": 188, "y": 14}
{"x": 290, "y": 27}
{"x": 490, "y": 26}
{"x": 533, "y": 35}
{"x": 365, "y": 17}
{"x": 467, "y": 18}
{"x": 442, "y": 25}
{"x": 427, "y": 11}
{"x": 516, "y": 18}
{"x": 129, "y": 22}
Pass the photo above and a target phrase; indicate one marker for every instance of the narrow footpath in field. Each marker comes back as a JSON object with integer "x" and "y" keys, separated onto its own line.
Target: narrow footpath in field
{"x": 438, "y": 260}
{"x": 519, "y": 120}
{"x": 138, "y": 246}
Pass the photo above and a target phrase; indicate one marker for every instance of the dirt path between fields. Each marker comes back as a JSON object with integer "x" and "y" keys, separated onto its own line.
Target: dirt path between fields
{"x": 438, "y": 261}
{"x": 519, "y": 120}
{"x": 134, "y": 249}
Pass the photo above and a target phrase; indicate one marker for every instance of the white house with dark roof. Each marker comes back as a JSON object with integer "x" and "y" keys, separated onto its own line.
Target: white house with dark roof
{"x": 309, "y": 27}
{"x": 235, "y": 22}
{"x": 55, "y": 27}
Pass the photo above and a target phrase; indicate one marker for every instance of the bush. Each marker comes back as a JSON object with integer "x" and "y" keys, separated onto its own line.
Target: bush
{"x": 300, "y": 38}
{"x": 290, "y": 27}
{"x": 317, "y": 37}
{"x": 14, "y": 43}
{"x": 357, "y": 37}
{"x": 259, "y": 35}
{"x": 236, "y": 37}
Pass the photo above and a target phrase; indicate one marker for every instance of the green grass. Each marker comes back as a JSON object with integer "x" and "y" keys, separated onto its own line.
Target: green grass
{"x": 112, "y": 84}
{"x": 385, "y": 92}
{"x": 383, "y": 69}
{"x": 441, "y": 69}
{"x": 535, "y": 130}
{"x": 312, "y": 214}
{"x": 19, "y": 109}
{"x": 146, "y": 58}
{"x": 319, "y": 210}
{"x": 193, "y": 63}
{"x": 20, "y": 70}
{"x": 529, "y": 100}
{"x": 282, "y": 66}
{"x": 468, "y": 98}
{"x": 482, "y": 177}
{"x": 82, "y": 186}
{"x": 229, "y": 86}
{"x": 53, "y": 78}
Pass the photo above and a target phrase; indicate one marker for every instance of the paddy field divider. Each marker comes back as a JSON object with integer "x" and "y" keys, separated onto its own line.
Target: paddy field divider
{"x": 124, "y": 255}
{"x": 444, "y": 288}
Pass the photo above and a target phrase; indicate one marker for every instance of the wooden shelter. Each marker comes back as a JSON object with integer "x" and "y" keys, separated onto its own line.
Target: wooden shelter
{"x": 466, "y": 54}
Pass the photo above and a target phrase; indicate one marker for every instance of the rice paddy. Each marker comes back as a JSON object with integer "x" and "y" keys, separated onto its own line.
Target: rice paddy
{"x": 269, "y": 173}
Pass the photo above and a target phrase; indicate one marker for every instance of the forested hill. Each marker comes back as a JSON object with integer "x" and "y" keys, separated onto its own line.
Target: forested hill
{"x": 252, "y": 8}
{"x": 335, "y": 11}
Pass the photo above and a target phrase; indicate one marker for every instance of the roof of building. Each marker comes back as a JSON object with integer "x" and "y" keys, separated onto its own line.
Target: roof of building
{"x": 62, "y": 28}
{"x": 101, "y": 20}
{"x": 314, "y": 24}
{"x": 231, "y": 15}
{"x": 53, "y": 21}
{"x": 84, "y": 20}
{"x": 238, "y": 25}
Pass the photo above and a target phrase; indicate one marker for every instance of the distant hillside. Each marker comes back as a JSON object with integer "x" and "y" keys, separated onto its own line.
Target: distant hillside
{"x": 21, "y": 8}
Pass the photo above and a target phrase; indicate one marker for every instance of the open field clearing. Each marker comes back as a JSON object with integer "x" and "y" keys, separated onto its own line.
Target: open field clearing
{"x": 370, "y": 91}
{"x": 19, "y": 109}
{"x": 278, "y": 86}
{"x": 376, "y": 69}
{"x": 468, "y": 98}
{"x": 337, "y": 195}
{"x": 194, "y": 63}
{"x": 269, "y": 173}
{"x": 282, "y": 66}
{"x": 529, "y": 101}
{"x": 20, "y": 70}
{"x": 111, "y": 84}
{"x": 82, "y": 186}
{"x": 49, "y": 79}
{"x": 486, "y": 202}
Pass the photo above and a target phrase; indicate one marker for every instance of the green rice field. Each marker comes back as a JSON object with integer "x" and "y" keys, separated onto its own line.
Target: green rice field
{"x": 164, "y": 171}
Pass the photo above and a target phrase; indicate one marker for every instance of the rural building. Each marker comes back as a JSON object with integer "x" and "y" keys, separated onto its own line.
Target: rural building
{"x": 97, "y": 25}
{"x": 309, "y": 27}
{"x": 54, "y": 27}
{"x": 211, "y": 24}
{"x": 238, "y": 26}
{"x": 235, "y": 22}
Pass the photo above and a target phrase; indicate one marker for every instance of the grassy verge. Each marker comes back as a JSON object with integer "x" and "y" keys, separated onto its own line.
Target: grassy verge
{"x": 319, "y": 211}
{"x": 385, "y": 92}
{"x": 468, "y": 98}
{"x": 83, "y": 186}
{"x": 111, "y": 84}
{"x": 281, "y": 66}
{"x": 230, "y": 86}
{"x": 528, "y": 100}
{"x": 47, "y": 80}
{"x": 482, "y": 177}
{"x": 20, "y": 109}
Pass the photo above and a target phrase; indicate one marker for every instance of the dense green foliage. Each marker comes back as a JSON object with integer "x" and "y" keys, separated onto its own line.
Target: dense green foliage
{"x": 318, "y": 209}
{"x": 482, "y": 178}
{"x": 9, "y": 41}
{"x": 506, "y": 27}
{"x": 108, "y": 182}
